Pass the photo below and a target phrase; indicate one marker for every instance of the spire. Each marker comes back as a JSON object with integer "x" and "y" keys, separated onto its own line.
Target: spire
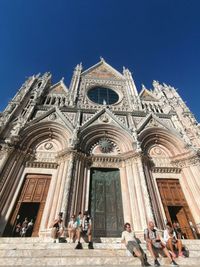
{"x": 127, "y": 74}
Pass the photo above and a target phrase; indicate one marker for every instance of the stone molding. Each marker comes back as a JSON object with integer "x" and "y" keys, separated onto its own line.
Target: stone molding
{"x": 45, "y": 165}
{"x": 166, "y": 170}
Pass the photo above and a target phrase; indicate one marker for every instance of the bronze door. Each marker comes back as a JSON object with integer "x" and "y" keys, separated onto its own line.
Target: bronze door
{"x": 106, "y": 203}
{"x": 31, "y": 202}
{"x": 175, "y": 204}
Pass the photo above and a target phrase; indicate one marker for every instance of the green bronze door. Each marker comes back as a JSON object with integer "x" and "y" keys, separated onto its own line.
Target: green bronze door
{"x": 106, "y": 203}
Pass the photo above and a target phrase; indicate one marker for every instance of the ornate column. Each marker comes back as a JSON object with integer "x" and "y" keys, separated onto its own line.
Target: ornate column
{"x": 156, "y": 208}
{"x": 54, "y": 190}
{"x": 4, "y": 154}
{"x": 65, "y": 200}
{"x": 144, "y": 195}
{"x": 133, "y": 195}
{"x": 125, "y": 196}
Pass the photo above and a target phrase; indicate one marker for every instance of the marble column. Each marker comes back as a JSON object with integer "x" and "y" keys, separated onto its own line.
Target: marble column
{"x": 65, "y": 200}
{"x": 144, "y": 198}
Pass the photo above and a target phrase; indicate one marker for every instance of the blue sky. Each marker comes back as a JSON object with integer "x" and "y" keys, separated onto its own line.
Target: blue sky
{"x": 155, "y": 39}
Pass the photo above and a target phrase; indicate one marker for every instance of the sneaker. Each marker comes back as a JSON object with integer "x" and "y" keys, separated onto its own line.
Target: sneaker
{"x": 173, "y": 263}
{"x": 156, "y": 263}
{"x": 147, "y": 264}
{"x": 90, "y": 245}
{"x": 79, "y": 246}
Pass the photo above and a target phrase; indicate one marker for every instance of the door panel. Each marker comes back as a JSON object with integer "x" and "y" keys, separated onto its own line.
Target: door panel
{"x": 106, "y": 202}
{"x": 35, "y": 190}
{"x": 175, "y": 204}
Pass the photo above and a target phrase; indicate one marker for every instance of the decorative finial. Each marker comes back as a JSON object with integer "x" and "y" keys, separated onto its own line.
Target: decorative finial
{"x": 143, "y": 86}
{"x": 102, "y": 59}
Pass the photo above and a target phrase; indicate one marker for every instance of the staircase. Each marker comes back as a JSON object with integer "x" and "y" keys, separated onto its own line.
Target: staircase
{"x": 43, "y": 252}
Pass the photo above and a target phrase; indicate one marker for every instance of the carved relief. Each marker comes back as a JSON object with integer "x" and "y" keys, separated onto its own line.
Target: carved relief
{"x": 52, "y": 117}
{"x": 104, "y": 118}
{"x": 104, "y": 146}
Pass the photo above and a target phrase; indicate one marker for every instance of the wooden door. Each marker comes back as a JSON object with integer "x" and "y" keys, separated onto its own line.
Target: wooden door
{"x": 106, "y": 203}
{"x": 31, "y": 201}
{"x": 175, "y": 204}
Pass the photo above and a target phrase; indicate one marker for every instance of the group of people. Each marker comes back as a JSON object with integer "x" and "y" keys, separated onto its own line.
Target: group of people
{"x": 24, "y": 229}
{"x": 170, "y": 245}
{"x": 80, "y": 226}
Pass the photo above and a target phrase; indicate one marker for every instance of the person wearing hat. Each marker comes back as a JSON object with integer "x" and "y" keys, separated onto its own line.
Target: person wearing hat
{"x": 85, "y": 231}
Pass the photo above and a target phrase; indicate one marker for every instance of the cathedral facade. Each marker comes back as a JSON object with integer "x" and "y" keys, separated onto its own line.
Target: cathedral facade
{"x": 101, "y": 146}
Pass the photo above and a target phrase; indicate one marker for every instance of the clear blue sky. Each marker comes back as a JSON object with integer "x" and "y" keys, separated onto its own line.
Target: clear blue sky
{"x": 155, "y": 39}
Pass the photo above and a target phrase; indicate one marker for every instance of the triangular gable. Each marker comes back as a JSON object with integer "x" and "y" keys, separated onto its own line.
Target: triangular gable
{"x": 146, "y": 95}
{"x": 153, "y": 121}
{"x": 102, "y": 70}
{"x": 54, "y": 115}
{"x": 104, "y": 116}
{"x": 58, "y": 88}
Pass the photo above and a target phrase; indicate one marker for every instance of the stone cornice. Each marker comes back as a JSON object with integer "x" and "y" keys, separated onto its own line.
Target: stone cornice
{"x": 186, "y": 162}
{"x": 46, "y": 165}
{"x": 166, "y": 170}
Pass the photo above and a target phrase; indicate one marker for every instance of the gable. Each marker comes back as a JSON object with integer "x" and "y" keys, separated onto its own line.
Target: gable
{"x": 58, "y": 88}
{"x": 102, "y": 70}
{"x": 104, "y": 116}
{"x": 146, "y": 95}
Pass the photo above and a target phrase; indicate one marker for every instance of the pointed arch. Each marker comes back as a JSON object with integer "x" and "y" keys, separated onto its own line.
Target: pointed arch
{"x": 92, "y": 134}
{"x": 34, "y": 134}
{"x": 155, "y": 135}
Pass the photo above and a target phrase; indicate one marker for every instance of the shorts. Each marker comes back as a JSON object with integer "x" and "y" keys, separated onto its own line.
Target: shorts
{"x": 132, "y": 245}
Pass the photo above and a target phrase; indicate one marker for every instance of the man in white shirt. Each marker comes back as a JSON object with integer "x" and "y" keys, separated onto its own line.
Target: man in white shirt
{"x": 155, "y": 244}
{"x": 128, "y": 237}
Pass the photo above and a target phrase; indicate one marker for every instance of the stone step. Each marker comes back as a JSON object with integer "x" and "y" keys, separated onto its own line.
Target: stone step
{"x": 89, "y": 261}
{"x": 43, "y": 252}
{"x": 64, "y": 252}
{"x": 195, "y": 246}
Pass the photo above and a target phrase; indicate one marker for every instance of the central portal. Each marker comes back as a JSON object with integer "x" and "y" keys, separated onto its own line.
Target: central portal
{"x": 106, "y": 202}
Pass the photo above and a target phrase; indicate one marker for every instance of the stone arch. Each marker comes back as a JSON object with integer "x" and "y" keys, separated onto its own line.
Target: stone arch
{"x": 92, "y": 134}
{"x": 32, "y": 136}
{"x": 168, "y": 140}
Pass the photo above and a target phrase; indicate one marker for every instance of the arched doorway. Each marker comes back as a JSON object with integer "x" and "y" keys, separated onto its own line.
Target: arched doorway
{"x": 30, "y": 203}
{"x": 175, "y": 205}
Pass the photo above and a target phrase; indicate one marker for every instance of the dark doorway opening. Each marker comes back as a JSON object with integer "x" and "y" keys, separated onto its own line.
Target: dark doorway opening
{"x": 178, "y": 214}
{"x": 173, "y": 210}
{"x": 27, "y": 210}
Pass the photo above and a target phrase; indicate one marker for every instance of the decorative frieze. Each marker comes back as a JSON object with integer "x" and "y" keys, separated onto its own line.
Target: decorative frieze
{"x": 166, "y": 170}
{"x": 184, "y": 163}
{"x": 45, "y": 165}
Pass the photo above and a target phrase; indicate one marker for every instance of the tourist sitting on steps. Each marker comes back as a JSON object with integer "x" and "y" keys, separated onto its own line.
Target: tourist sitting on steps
{"x": 57, "y": 227}
{"x": 128, "y": 237}
{"x": 172, "y": 242}
{"x": 155, "y": 245}
{"x": 72, "y": 227}
{"x": 85, "y": 231}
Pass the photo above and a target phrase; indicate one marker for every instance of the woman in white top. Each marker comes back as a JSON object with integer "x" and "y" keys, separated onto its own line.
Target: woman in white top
{"x": 72, "y": 226}
{"x": 172, "y": 242}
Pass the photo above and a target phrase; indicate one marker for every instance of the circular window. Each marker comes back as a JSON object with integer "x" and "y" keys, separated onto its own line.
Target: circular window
{"x": 103, "y": 96}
